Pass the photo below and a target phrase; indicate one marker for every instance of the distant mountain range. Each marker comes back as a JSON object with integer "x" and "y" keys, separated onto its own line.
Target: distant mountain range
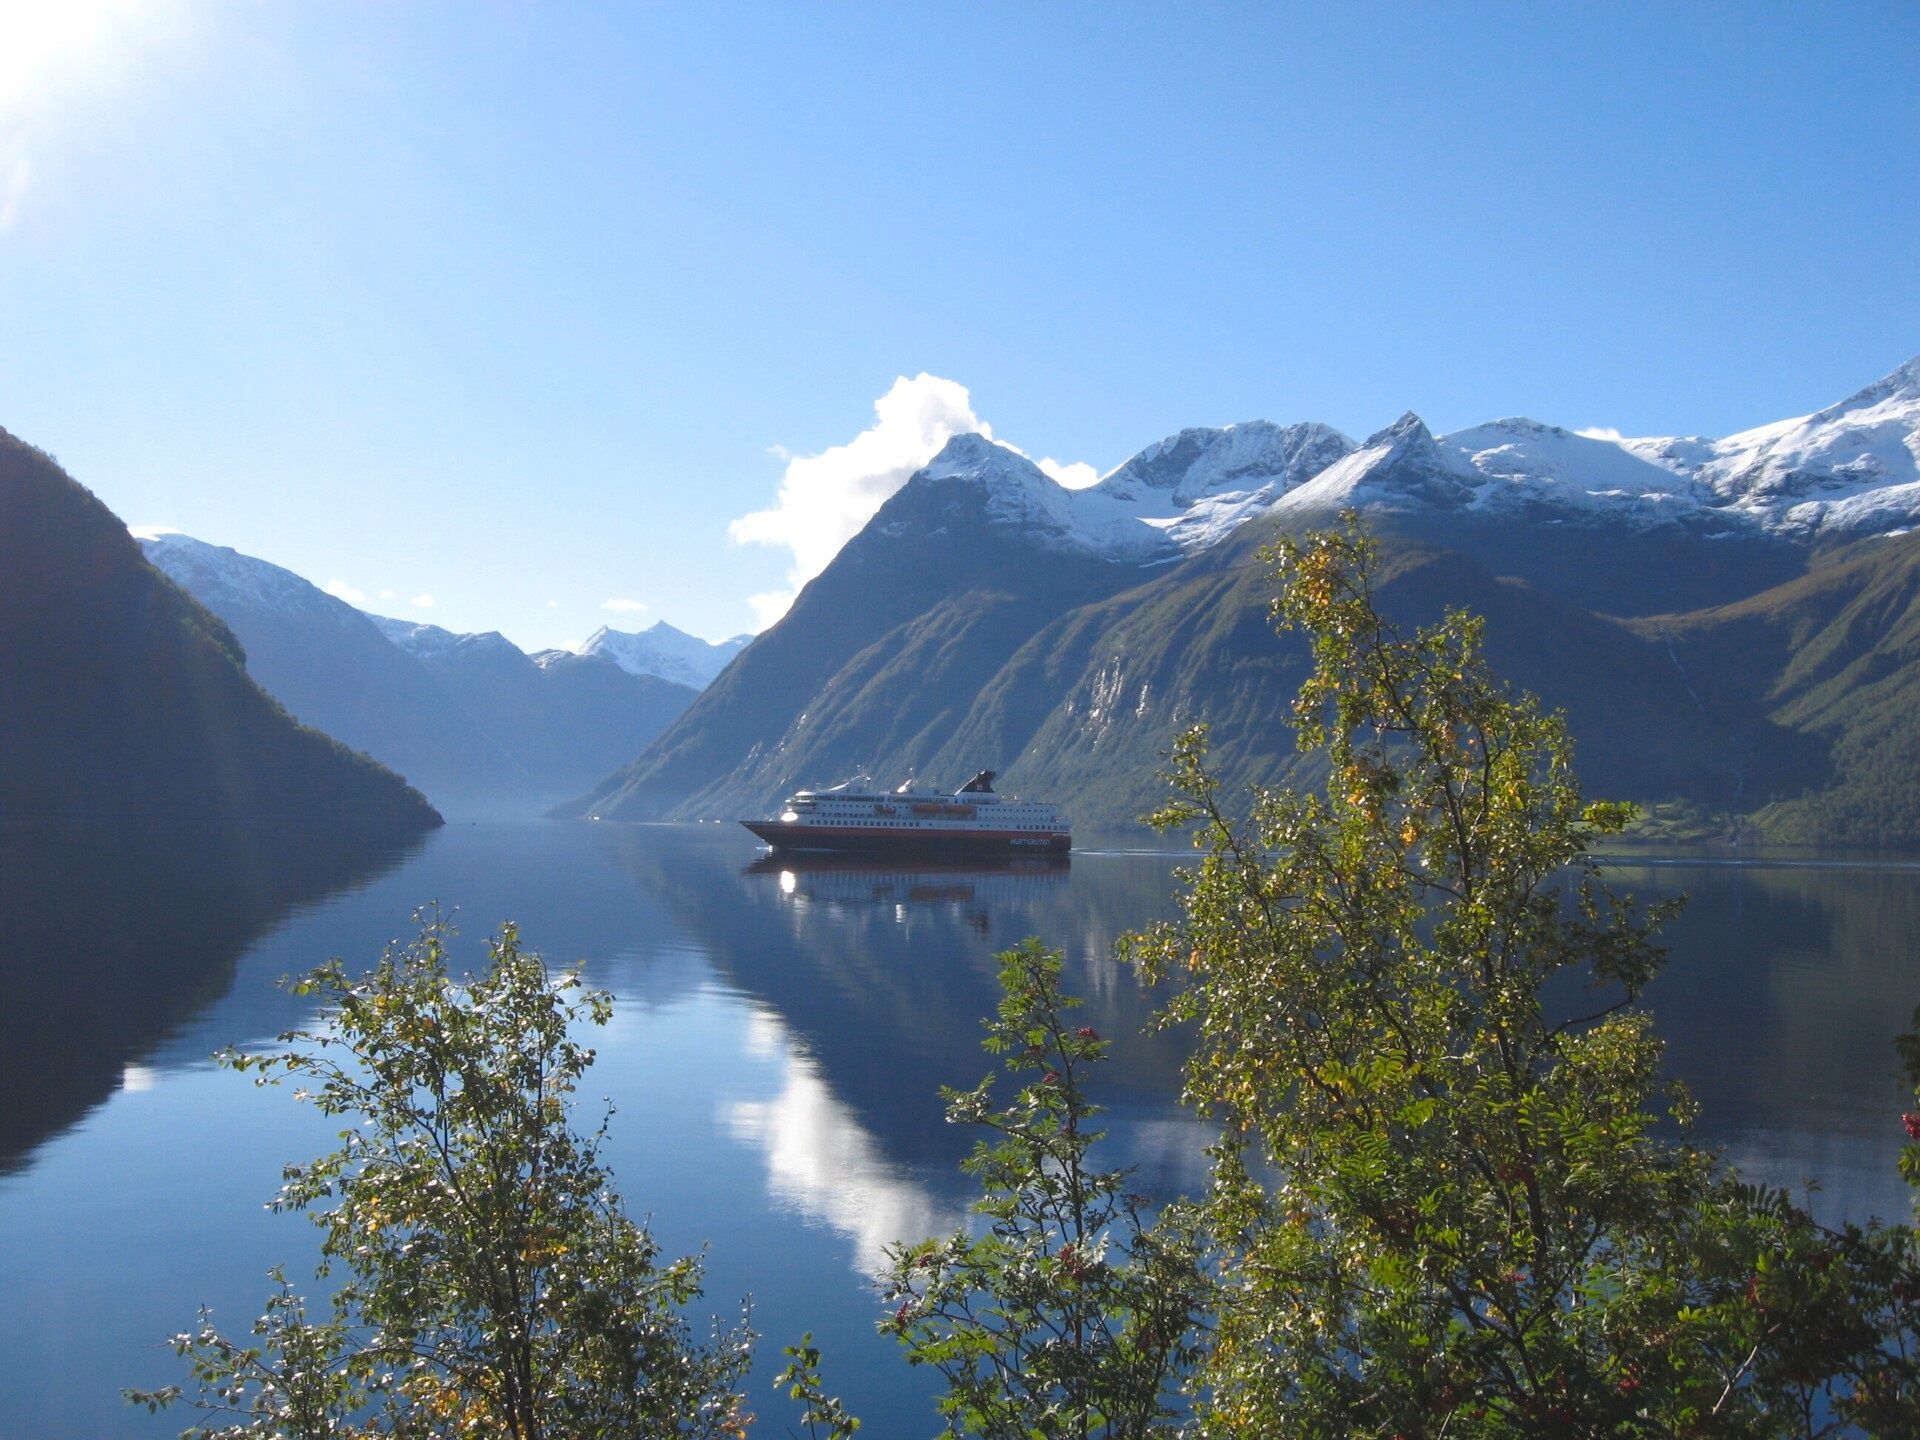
{"x": 659, "y": 650}
{"x": 123, "y": 700}
{"x": 479, "y": 725}
{"x": 1726, "y": 622}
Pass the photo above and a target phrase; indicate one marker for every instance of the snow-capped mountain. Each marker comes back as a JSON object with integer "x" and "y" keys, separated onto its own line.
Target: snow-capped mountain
{"x": 988, "y": 611}
{"x": 1179, "y": 495}
{"x": 1545, "y": 464}
{"x": 1400, "y": 467}
{"x": 1201, "y": 464}
{"x": 1513, "y": 469}
{"x": 660, "y": 650}
{"x": 432, "y": 642}
{"x": 1852, "y": 468}
{"x": 220, "y": 577}
{"x": 1200, "y": 485}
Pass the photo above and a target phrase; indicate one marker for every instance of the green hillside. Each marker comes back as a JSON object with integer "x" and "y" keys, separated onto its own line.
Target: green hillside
{"x": 1198, "y": 645}
{"x": 1833, "y": 657}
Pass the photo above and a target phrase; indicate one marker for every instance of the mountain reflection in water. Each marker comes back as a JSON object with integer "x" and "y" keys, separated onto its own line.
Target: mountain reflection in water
{"x": 883, "y": 974}
{"x": 117, "y": 936}
{"x": 781, "y": 1030}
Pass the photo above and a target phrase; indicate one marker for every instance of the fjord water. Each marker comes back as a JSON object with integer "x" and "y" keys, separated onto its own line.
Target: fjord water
{"x": 779, "y": 1035}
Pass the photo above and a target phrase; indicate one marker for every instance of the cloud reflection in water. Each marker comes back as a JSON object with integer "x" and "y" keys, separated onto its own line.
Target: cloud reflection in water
{"x": 824, "y": 1163}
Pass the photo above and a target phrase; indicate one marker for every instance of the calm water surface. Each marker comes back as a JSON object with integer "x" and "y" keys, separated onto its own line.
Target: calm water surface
{"x": 779, "y": 1037}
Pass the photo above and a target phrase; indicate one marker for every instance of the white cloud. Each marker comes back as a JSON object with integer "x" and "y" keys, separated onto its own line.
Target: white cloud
{"x": 553, "y": 604}
{"x": 425, "y": 602}
{"x": 341, "y": 590}
{"x": 152, "y": 532}
{"x": 389, "y": 594}
{"x": 1075, "y": 475}
{"x": 770, "y": 605}
{"x": 824, "y": 499}
{"x": 624, "y": 607}
{"x": 1601, "y": 432}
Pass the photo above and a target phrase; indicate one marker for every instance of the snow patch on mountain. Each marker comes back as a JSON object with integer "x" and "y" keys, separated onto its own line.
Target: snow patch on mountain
{"x": 222, "y": 578}
{"x": 1853, "y": 467}
{"x": 662, "y": 651}
{"x": 432, "y": 642}
{"x": 1177, "y": 496}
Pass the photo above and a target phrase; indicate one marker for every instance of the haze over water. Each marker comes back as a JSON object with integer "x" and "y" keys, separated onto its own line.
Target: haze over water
{"x": 779, "y": 1036}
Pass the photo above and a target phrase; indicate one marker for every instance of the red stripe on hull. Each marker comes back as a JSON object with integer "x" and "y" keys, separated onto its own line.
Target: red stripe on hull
{"x": 876, "y": 839}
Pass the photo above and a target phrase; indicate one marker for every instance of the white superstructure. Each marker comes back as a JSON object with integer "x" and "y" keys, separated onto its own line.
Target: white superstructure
{"x": 972, "y": 817}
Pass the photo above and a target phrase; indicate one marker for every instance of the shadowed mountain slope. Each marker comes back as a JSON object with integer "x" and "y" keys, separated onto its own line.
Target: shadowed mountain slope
{"x": 479, "y": 725}
{"x": 121, "y": 696}
{"x": 915, "y": 614}
{"x": 1835, "y": 657}
{"x": 331, "y": 666}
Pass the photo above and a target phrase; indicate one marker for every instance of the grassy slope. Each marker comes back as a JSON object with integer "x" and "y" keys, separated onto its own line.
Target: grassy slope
{"x": 1197, "y": 645}
{"x": 1834, "y": 657}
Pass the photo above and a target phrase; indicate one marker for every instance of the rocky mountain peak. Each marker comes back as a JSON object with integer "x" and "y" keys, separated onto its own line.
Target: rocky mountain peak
{"x": 1409, "y": 431}
{"x": 1898, "y": 385}
{"x": 1202, "y": 462}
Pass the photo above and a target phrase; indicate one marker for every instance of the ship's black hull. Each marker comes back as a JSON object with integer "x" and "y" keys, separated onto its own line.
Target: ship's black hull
{"x": 824, "y": 840}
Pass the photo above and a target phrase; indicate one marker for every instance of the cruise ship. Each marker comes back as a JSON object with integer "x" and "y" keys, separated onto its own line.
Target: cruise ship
{"x": 973, "y": 820}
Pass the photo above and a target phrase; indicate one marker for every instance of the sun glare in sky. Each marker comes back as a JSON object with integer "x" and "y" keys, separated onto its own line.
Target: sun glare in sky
{"x": 667, "y": 300}
{"x": 45, "y": 41}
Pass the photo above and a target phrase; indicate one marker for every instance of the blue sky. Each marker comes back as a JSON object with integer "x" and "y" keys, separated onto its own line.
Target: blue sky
{"x": 521, "y": 307}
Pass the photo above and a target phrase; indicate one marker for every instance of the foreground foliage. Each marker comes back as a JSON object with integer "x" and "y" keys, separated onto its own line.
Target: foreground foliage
{"x": 1438, "y": 1208}
{"x": 1451, "y": 1196}
{"x": 1072, "y": 1314}
{"x": 490, "y": 1284}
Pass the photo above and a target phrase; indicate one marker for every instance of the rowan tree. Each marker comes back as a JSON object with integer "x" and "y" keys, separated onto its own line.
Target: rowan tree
{"x": 1072, "y": 1312}
{"x": 1445, "y": 1202}
{"x": 487, "y": 1280}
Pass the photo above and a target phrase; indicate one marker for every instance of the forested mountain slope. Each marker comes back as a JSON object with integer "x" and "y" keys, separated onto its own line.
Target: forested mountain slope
{"x": 1834, "y": 657}
{"x": 121, "y": 696}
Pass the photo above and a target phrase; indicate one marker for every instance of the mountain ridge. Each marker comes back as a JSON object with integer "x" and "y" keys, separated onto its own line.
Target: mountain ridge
{"x": 478, "y": 724}
{"x": 661, "y": 650}
{"x": 1588, "y": 555}
{"x": 125, "y": 698}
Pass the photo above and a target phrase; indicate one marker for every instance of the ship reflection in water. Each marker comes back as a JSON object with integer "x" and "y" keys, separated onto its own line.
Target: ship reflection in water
{"x": 974, "y": 887}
